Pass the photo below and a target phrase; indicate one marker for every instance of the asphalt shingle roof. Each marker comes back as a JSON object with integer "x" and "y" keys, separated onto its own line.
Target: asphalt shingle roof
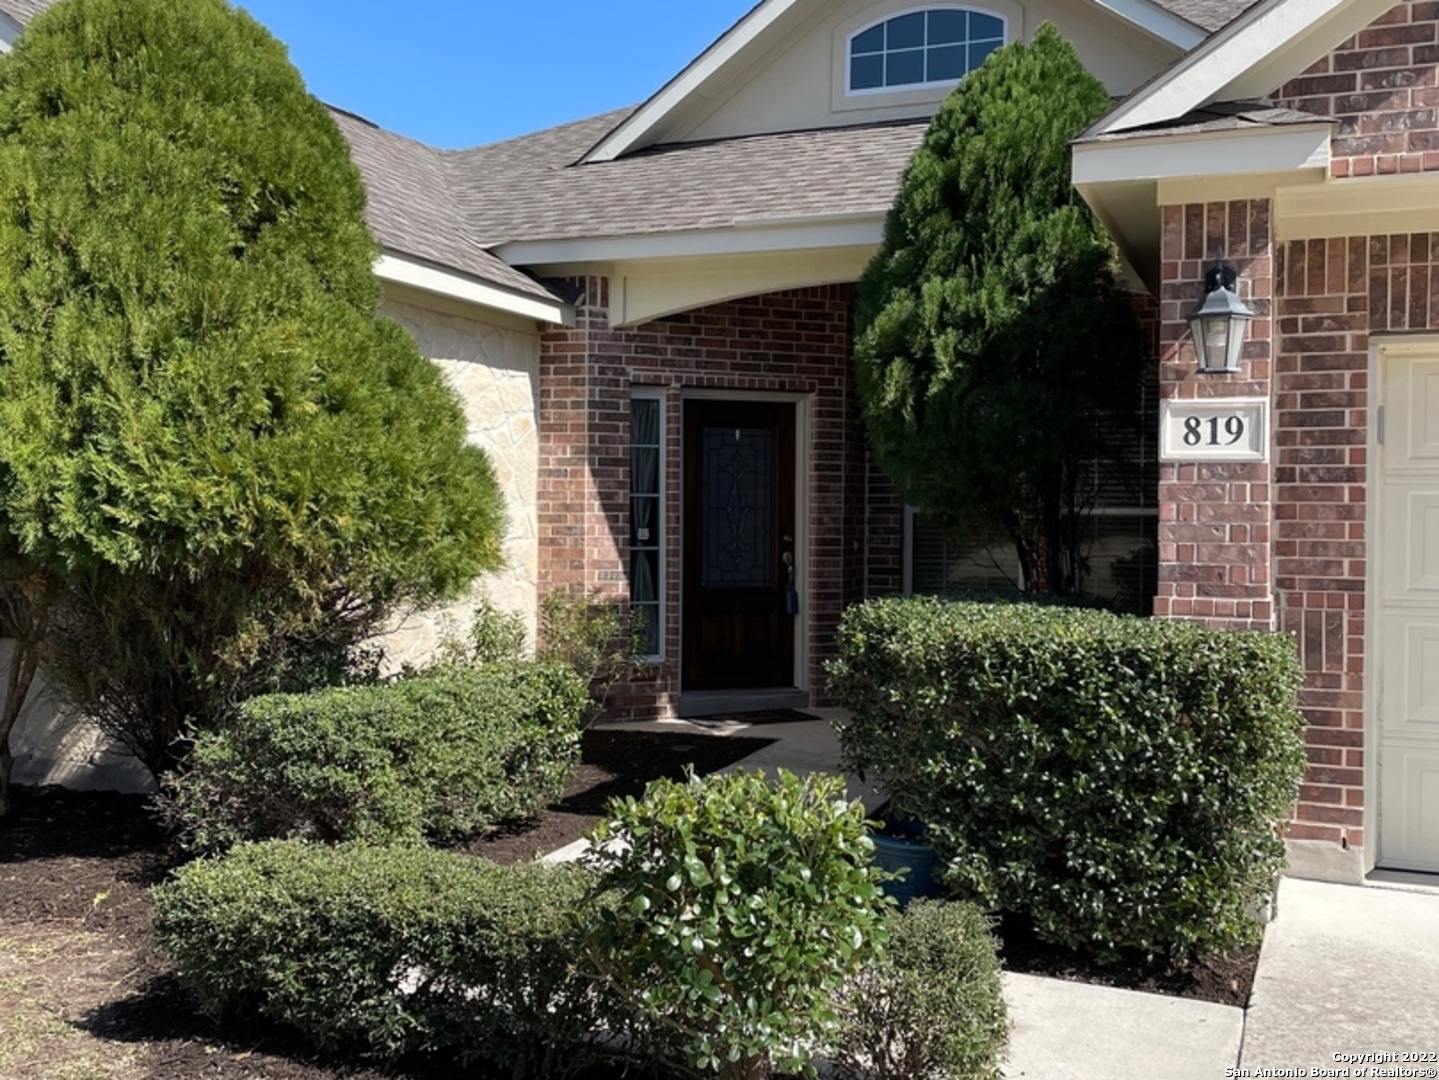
{"x": 412, "y": 209}
{"x": 1220, "y": 116}
{"x": 448, "y": 207}
{"x": 527, "y": 190}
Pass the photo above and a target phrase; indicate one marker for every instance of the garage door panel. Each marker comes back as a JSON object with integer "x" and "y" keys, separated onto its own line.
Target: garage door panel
{"x": 1415, "y": 394}
{"x": 1406, "y": 658}
{"x": 1411, "y": 517}
{"x": 1409, "y": 812}
{"x": 1411, "y": 694}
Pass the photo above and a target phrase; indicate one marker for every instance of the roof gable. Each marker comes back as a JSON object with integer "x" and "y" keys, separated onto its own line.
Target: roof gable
{"x": 798, "y": 32}
{"x": 1269, "y": 44}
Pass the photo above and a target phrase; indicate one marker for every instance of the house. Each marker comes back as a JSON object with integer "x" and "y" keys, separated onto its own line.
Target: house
{"x": 648, "y": 315}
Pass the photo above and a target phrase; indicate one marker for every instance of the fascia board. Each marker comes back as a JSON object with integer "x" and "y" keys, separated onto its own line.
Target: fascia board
{"x": 654, "y": 112}
{"x": 399, "y": 270}
{"x": 752, "y": 237}
{"x": 1155, "y": 21}
{"x": 1358, "y": 206}
{"x": 1235, "y": 57}
{"x": 1217, "y": 153}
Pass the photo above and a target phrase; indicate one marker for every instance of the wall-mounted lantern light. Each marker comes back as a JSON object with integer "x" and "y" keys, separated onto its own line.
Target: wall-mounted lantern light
{"x": 1220, "y": 321}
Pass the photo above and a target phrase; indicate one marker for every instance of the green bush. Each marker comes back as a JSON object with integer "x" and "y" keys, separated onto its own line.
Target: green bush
{"x": 386, "y": 951}
{"x": 932, "y": 1009}
{"x": 1119, "y": 780}
{"x": 445, "y": 756}
{"x": 735, "y": 908}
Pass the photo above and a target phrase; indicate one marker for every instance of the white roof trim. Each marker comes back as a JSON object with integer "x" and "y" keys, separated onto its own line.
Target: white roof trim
{"x": 1232, "y": 63}
{"x": 399, "y": 270}
{"x": 1156, "y": 21}
{"x": 633, "y": 132}
{"x": 1233, "y": 152}
{"x": 653, "y": 112}
{"x": 750, "y": 237}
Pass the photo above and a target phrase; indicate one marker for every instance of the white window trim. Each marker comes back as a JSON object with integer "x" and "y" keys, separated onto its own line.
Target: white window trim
{"x": 919, "y": 98}
{"x": 656, "y": 394}
{"x": 884, "y": 91}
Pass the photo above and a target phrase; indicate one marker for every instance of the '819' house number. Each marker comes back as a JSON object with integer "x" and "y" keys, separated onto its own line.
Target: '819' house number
{"x": 1227, "y": 429}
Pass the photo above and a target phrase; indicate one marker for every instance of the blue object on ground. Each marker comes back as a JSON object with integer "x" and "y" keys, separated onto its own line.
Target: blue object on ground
{"x": 895, "y": 853}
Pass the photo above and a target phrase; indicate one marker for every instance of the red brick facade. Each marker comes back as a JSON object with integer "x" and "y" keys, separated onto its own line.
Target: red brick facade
{"x": 794, "y": 343}
{"x": 1283, "y": 544}
{"x": 1381, "y": 86}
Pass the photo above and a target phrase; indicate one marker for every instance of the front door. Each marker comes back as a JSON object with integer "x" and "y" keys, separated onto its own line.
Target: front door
{"x": 739, "y": 550}
{"x": 1408, "y": 610}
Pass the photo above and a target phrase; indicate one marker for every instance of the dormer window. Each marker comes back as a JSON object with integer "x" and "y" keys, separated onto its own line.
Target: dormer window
{"x": 916, "y": 49}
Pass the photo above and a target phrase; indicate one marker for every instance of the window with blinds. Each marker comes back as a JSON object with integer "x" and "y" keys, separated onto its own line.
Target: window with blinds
{"x": 1122, "y": 564}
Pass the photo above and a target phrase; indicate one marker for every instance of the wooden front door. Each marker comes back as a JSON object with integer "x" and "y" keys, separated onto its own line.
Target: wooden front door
{"x": 739, "y": 549}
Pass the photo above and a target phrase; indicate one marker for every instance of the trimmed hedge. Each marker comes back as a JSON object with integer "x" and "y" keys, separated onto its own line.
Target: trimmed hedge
{"x": 445, "y": 756}
{"x": 932, "y": 1008}
{"x": 387, "y": 951}
{"x": 1119, "y": 780}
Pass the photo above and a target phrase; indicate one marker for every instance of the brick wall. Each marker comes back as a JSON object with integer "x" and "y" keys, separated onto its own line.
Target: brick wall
{"x": 1215, "y": 520}
{"x": 1381, "y": 86}
{"x": 794, "y": 343}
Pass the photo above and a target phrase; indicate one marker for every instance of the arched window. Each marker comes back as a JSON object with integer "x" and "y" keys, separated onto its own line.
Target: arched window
{"x": 922, "y": 48}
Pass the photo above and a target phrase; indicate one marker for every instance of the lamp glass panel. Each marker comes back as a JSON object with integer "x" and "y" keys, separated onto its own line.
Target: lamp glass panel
{"x": 1216, "y": 341}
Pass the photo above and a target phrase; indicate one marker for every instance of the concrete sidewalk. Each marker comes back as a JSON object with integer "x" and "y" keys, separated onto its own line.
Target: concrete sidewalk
{"x": 1345, "y": 969}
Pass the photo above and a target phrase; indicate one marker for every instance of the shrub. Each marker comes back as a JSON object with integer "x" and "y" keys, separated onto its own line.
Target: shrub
{"x": 932, "y": 1008}
{"x": 386, "y": 951}
{"x": 736, "y": 907}
{"x": 997, "y": 355}
{"x": 446, "y": 756}
{"x": 205, "y": 431}
{"x": 1118, "y": 780}
{"x": 589, "y": 634}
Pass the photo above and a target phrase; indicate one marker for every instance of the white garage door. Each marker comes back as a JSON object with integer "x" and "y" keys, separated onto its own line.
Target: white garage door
{"x": 1408, "y": 608}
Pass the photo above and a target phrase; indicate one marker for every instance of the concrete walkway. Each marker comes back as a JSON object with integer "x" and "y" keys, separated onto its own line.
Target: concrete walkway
{"x": 1344, "y": 969}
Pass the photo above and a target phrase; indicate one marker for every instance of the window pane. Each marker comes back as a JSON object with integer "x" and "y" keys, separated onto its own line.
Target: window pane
{"x": 985, "y": 27}
{"x": 905, "y": 32}
{"x": 946, "y": 63}
{"x": 645, "y": 470}
{"x": 948, "y": 27}
{"x": 651, "y": 613}
{"x": 978, "y": 52}
{"x": 871, "y": 41}
{"x": 866, "y": 72}
{"x": 905, "y": 68}
{"x": 645, "y": 422}
{"x": 644, "y": 577}
{"x": 644, "y": 521}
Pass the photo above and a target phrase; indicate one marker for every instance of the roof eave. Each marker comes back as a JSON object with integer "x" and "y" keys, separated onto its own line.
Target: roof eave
{"x": 1260, "y": 50}
{"x": 398, "y": 268}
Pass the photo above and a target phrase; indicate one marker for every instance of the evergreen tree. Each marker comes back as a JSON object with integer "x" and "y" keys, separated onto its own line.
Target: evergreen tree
{"x": 238, "y": 470}
{"x": 998, "y": 357}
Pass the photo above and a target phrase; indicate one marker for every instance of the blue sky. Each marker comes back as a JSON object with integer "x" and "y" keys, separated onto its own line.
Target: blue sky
{"x": 454, "y": 73}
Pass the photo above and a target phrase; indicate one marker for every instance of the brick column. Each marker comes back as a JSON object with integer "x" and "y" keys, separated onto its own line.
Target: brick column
{"x": 1215, "y": 519}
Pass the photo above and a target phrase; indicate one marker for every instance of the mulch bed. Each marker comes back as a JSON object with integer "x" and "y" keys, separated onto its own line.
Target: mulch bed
{"x": 80, "y": 864}
{"x": 1225, "y": 980}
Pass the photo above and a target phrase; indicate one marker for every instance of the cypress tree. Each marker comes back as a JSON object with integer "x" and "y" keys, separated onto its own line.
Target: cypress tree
{"x": 998, "y": 357}
{"x": 236, "y": 467}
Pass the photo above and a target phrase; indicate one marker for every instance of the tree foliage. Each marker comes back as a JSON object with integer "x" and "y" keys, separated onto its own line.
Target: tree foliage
{"x": 237, "y": 467}
{"x": 996, "y": 352}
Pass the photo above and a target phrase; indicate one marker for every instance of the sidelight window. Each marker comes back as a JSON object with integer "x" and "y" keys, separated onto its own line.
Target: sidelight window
{"x": 647, "y": 516}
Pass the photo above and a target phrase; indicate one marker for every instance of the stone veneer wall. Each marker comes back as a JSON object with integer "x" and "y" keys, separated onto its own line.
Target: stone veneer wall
{"x": 495, "y": 370}
{"x": 794, "y": 342}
